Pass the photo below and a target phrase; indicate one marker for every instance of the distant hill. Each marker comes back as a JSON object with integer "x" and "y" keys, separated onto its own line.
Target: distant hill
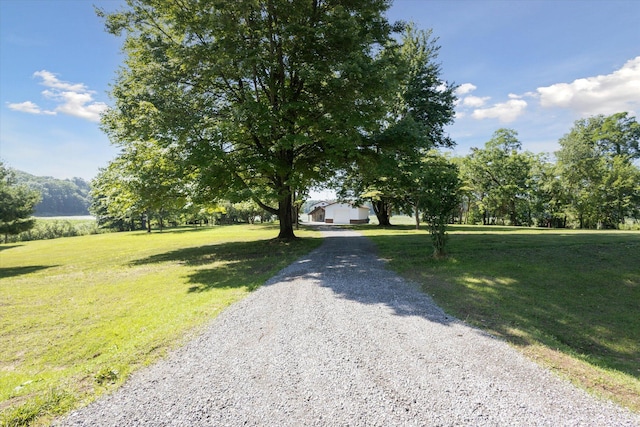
{"x": 60, "y": 197}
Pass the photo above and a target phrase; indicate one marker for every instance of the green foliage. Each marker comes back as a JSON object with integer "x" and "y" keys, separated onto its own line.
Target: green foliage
{"x": 437, "y": 196}
{"x": 422, "y": 107}
{"x": 261, "y": 99}
{"x": 47, "y": 228}
{"x": 16, "y": 204}
{"x": 595, "y": 182}
{"x": 547, "y": 197}
{"x": 143, "y": 183}
{"x": 247, "y": 212}
{"x": 595, "y": 165}
{"x": 106, "y": 375}
{"x": 101, "y": 306}
{"x": 499, "y": 180}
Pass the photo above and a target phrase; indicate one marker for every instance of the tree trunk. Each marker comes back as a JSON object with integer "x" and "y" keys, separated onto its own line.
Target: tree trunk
{"x": 381, "y": 209}
{"x": 417, "y": 213}
{"x": 285, "y": 216}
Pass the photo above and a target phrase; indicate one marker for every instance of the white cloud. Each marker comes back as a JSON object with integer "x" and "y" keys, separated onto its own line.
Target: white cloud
{"x": 29, "y": 107}
{"x": 465, "y": 88}
{"x": 77, "y": 104}
{"x": 603, "y": 94}
{"x": 505, "y": 112}
{"x": 50, "y": 80}
{"x": 474, "y": 101}
{"x": 74, "y": 99}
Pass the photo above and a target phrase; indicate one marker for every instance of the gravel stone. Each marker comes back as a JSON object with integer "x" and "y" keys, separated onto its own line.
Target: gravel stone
{"x": 336, "y": 339}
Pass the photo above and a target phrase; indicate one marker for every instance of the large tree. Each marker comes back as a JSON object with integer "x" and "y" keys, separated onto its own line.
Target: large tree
{"x": 263, "y": 98}
{"x": 17, "y": 204}
{"x": 422, "y": 106}
{"x": 144, "y": 181}
{"x": 499, "y": 175}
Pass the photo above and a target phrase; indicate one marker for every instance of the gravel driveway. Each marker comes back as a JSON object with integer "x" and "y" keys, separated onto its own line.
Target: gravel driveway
{"x": 335, "y": 339}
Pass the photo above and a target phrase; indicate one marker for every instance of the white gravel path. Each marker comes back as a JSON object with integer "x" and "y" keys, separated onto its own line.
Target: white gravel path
{"x": 336, "y": 339}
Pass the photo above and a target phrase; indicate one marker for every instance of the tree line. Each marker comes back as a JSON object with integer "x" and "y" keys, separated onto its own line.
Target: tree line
{"x": 594, "y": 181}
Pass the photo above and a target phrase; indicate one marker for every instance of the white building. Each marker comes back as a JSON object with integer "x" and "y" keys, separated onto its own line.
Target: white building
{"x": 339, "y": 213}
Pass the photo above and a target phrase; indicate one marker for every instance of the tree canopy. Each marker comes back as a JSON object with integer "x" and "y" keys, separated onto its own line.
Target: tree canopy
{"x": 499, "y": 175}
{"x": 595, "y": 165}
{"x": 261, "y": 98}
{"x": 389, "y": 161}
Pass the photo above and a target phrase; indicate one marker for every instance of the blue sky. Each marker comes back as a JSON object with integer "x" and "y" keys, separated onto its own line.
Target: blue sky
{"x": 533, "y": 66}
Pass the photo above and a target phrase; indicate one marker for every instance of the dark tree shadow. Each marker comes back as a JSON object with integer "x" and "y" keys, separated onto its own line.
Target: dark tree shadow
{"x": 5, "y": 247}
{"x": 174, "y": 230}
{"x": 234, "y": 264}
{"x": 6, "y": 272}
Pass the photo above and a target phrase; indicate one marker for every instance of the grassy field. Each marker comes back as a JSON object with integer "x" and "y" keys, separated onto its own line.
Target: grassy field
{"x": 568, "y": 299}
{"x": 78, "y": 314}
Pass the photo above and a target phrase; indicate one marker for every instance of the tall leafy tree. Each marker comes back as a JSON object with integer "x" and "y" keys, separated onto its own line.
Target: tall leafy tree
{"x": 113, "y": 202}
{"x": 263, "y": 98}
{"x": 596, "y": 167}
{"x": 618, "y": 141}
{"x": 17, "y": 204}
{"x": 423, "y": 105}
{"x": 546, "y": 194}
{"x": 500, "y": 176}
{"x": 145, "y": 180}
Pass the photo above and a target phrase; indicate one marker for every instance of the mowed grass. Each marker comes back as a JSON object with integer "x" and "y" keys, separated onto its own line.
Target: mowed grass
{"x": 78, "y": 315}
{"x": 568, "y": 299}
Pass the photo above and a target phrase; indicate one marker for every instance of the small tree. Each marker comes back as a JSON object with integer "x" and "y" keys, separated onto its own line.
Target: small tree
{"x": 436, "y": 194}
{"x": 17, "y": 203}
{"x": 144, "y": 180}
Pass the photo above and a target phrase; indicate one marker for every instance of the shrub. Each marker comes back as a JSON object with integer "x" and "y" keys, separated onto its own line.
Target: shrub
{"x": 55, "y": 228}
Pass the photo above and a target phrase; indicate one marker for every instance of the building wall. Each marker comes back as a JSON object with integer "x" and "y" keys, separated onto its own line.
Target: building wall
{"x": 343, "y": 213}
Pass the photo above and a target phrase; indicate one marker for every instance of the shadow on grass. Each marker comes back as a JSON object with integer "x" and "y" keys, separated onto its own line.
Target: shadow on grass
{"x": 579, "y": 293}
{"x": 5, "y": 247}
{"x": 174, "y": 230}
{"x": 6, "y": 272}
{"x": 234, "y": 264}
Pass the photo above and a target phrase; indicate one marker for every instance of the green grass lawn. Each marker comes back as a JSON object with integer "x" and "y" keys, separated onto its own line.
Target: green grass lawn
{"x": 569, "y": 299}
{"x": 78, "y": 314}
